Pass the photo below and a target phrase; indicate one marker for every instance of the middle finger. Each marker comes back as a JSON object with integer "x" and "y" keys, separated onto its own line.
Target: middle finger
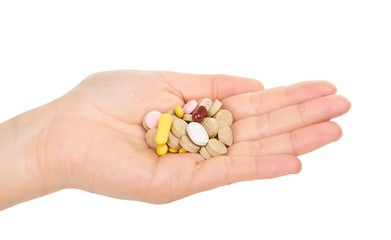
{"x": 289, "y": 118}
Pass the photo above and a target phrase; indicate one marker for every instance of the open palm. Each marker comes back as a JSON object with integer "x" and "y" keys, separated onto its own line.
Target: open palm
{"x": 96, "y": 140}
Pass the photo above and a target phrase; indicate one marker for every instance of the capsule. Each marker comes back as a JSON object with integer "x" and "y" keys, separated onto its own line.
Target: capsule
{"x": 199, "y": 113}
{"x": 163, "y": 129}
{"x": 161, "y": 150}
{"x": 179, "y": 111}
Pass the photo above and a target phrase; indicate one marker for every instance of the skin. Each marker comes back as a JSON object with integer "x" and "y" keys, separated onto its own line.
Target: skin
{"x": 92, "y": 137}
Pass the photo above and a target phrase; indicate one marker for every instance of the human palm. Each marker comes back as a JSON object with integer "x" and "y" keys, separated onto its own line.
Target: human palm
{"x": 96, "y": 140}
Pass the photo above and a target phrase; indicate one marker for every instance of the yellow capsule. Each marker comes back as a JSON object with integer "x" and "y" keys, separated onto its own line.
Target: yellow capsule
{"x": 179, "y": 111}
{"x": 182, "y": 150}
{"x": 161, "y": 150}
{"x": 163, "y": 129}
{"x": 172, "y": 150}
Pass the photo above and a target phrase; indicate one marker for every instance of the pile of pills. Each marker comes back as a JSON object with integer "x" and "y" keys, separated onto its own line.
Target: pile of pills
{"x": 201, "y": 127}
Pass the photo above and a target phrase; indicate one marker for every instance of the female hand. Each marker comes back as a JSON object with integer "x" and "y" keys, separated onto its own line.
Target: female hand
{"x": 95, "y": 141}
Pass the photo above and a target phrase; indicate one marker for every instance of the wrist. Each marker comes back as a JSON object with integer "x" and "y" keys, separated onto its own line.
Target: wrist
{"x": 23, "y": 174}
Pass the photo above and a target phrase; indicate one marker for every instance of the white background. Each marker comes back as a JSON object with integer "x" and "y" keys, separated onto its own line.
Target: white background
{"x": 343, "y": 191}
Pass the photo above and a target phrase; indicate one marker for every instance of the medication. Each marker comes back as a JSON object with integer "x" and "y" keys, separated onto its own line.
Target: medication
{"x": 215, "y": 148}
{"x": 216, "y": 105}
{"x": 205, "y": 153}
{"x": 188, "y": 117}
{"x": 197, "y": 134}
{"x": 199, "y": 113}
{"x": 151, "y": 119}
{"x": 199, "y": 127}
{"x": 179, "y": 128}
{"x": 173, "y": 142}
{"x": 224, "y": 116}
{"x": 179, "y": 111}
{"x": 206, "y": 102}
{"x": 225, "y": 135}
{"x": 211, "y": 126}
{"x": 163, "y": 129}
{"x": 150, "y": 138}
{"x": 187, "y": 144}
{"x": 173, "y": 115}
{"x": 172, "y": 150}
{"x": 171, "y": 112}
{"x": 190, "y": 106}
{"x": 162, "y": 149}
{"x": 182, "y": 150}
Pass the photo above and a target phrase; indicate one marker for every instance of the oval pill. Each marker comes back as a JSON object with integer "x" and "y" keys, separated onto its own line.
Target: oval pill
{"x": 225, "y": 135}
{"x": 197, "y": 134}
{"x": 151, "y": 119}
{"x": 199, "y": 113}
{"x": 172, "y": 150}
{"x": 190, "y": 106}
{"x": 182, "y": 150}
{"x": 216, "y": 105}
{"x": 162, "y": 149}
{"x": 211, "y": 126}
{"x": 163, "y": 129}
{"x": 188, "y": 144}
{"x": 179, "y": 111}
{"x": 215, "y": 148}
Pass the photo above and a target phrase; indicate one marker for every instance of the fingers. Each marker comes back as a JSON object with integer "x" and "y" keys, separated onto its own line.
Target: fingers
{"x": 225, "y": 170}
{"x": 297, "y": 142}
{"x": 289, "y": 118}
{"x": 216, "y": 86}
{"x": 251, "y": 104}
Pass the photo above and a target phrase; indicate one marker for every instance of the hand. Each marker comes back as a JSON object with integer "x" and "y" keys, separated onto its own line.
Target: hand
{"x": 95, "y": 139}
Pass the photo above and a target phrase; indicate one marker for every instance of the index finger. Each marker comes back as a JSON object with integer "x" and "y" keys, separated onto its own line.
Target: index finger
{"x": 214, "y": 86}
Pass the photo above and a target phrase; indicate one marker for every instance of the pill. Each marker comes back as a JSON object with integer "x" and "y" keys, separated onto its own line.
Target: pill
{"x": 216, "y": 105}
{"x": 199, "y": 114}
{"x": 171, "y": 112}
{"x": 174, "y": 117}
{"x": 150, "y": 138}
{"x": 179, "y": 128}
{"x": 179, "y": 111}
{"x": 221, "y": 123}
{"x": 173, "y": 142}
{"x": 190, "y": 106}
{"x": 205, "y": 153}
{"x": 172, "y": 150}
{"x": 151, "y": 119}
{"x": 224, "y": 116}
{"x": 225, "y": 135}
{"x": 162, "y": 149}
{"x": 215, "y": 148}
{"x": 211, "y": 126}
{"x": 206, "y": 102}
{"x": 197, "y": 134}
{"x": 187, "y": 144}
{"x": 188, "y": 117}
{"x": 182, "y": 150}
{"x": 163, "y": 129}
